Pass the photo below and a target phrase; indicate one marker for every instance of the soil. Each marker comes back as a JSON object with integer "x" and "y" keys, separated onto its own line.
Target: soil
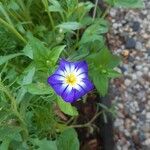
{"x": 99, "y": 136}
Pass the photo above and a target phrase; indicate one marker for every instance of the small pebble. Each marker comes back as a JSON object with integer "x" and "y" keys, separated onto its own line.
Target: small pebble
{"x": 125, "y": 53}
{"x": 145, "y": 36}
{"x": 127, "y": 82}
{"x": 139, "y": 46}
{"x": 148, "y": 116}
{"x": 147, "y": 142}
{"x": 135, "y": 26}
{"x": 130, "y": 43}
{"x": 146, "y": 70}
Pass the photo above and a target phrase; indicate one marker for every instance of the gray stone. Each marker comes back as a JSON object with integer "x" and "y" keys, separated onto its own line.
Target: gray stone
{"x": 138, "y": 46}
{"x": 113, "y": 12}
{"x": 148, "y": 116}
{"x": 135, "y": 26}
{"x": 147, "y": 142}
{"x": 139, "y": 73}
{"x": 130, "y": 43}
{"x": 127, "y": 82}
{"x": 146, "y": 70}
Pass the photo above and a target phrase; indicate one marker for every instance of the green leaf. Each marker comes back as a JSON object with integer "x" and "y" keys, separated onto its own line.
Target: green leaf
{"x": 44, "y": 144}
{"x": 86, "y": 21}
{"x": 104, "y": 59}
{"x": 102, "y": 64}
{"x": 71, "y": 4}
{"x": 68, "y": 140}
{"x": 126, "y": 3}
{"x": 28, "y": 51}
{"x": 82, "y": 9}
{"x": 67, "y": 108}
{"x": 7, "y": 41}
{"x": 39, "y": 89}
{"x": 86, "y": 6}
{"x": 95, "y": 31}
{"x": 5, "y": 14}
{"x": 4, "y": 114}
{"x": 110, "y": 2}
{"x": 4, "y": 59}
{"x": 40, "y": 52}
{"x": 20, "y": 94}
{"x": 78, "y": 55}
{"x": 113, "y": 74}
{"x": 29, "y": 76}
{"x": 8, "y": 132}
{"x": 55, "y": 7}
{"x": 70, "y": 26}
{"x": 43, "y": 57}
{"x": 5, "y": 144}
{"x": 101, "y": 83}
{"x": 38, "y": 48}
{"x": 129, "y": 3}
{"x": 55, "y": 53}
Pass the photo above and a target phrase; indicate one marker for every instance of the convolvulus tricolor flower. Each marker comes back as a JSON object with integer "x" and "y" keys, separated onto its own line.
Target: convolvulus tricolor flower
{"x": 70, "y": 80}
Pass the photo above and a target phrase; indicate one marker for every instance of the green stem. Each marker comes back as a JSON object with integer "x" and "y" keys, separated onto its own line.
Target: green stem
{"x": 12, "y": 29}
{"x": 94, "y": 12}
{"x": 86, "y": 124}
{"x": 45, "y": 2}
{"x": 62, "y": 16}
{"x": 106, "y": 12}
{"x": 51, "y": 19}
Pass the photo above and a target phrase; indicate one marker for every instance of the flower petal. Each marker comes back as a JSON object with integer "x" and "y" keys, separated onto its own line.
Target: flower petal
{"x": 55, "y": 78}
{"x": 87, "y": 85}
{"x": 59, "y": 88}
{"x": 82, "y": 76}
{"x": 80, "y": 89}
{"x": 68, "y": 96}
{"x": 59, "y": 71}
{"x": 65, "y": 65}
{"x": 69, "y": 67}
{"x": 73, "y": 94}
{"x": 81, "y": 65}
{"x": 72, "y": 67}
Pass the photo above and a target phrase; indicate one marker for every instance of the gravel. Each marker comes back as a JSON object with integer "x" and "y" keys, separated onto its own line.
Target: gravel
{"x": 130, "y": 43}
{"x": 129, "y": 37}
{"x": 135, "y": 26}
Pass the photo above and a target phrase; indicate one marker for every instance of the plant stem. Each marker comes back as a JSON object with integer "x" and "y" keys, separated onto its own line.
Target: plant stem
{"x": 45, "y": 2}
{"x": 51, "y": 19}
{"x": 106, "y": 12}
{"x": 12, "y": 29}
{"x": 94, "y": 12}
{"x": 88, "y": 124}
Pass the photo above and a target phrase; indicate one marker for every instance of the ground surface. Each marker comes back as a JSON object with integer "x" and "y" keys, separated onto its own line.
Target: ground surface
{"x": 130, "y": 37}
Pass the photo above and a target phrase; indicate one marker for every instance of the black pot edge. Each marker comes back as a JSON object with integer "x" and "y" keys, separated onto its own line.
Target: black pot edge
{"x": 106, "y": 129}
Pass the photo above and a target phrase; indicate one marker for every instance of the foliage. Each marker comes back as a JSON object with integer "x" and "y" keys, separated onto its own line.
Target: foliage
{"x": 126, "y": 3}
{"x": 34, "y": 35}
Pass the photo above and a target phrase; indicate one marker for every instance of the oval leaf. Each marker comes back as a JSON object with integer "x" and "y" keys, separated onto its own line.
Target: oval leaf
{"x": 67, "y": 108}
{"x": 70, "y": 25}
{"x": 39, "y": 89}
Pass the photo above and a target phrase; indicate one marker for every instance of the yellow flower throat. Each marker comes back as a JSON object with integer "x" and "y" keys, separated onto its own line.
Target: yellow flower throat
{"x": 71, "y": 79}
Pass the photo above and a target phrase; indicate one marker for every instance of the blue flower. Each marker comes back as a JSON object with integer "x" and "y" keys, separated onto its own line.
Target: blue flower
{"x": 70, "y": 80}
